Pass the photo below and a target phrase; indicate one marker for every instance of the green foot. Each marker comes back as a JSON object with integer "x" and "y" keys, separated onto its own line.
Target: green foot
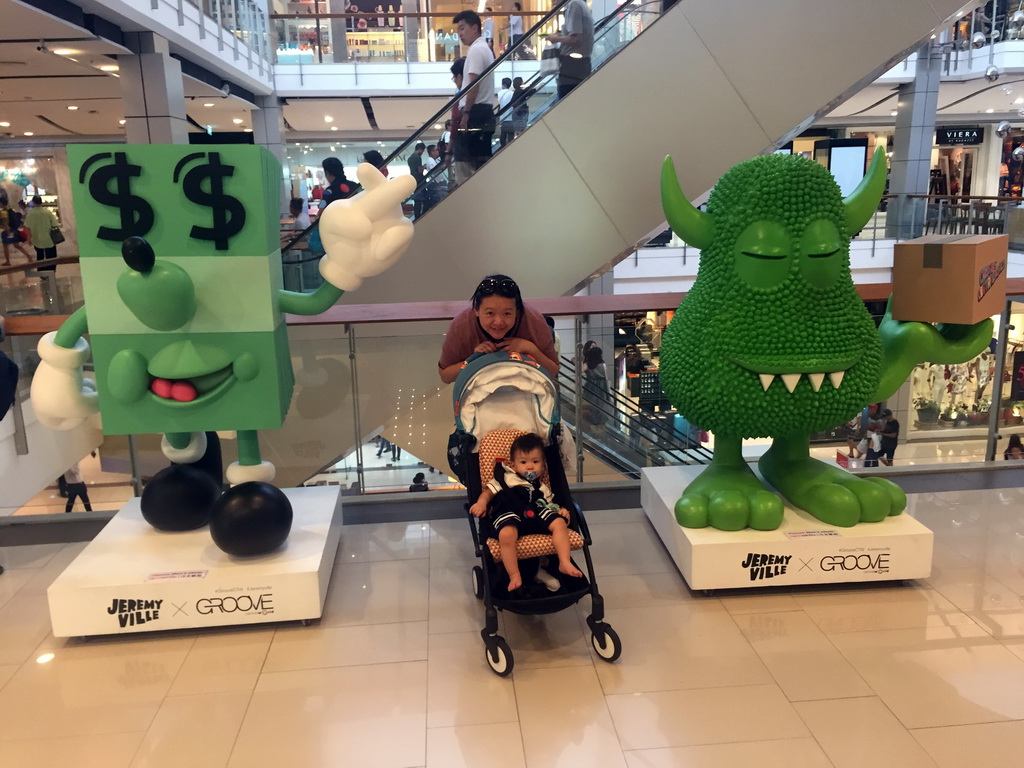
{"x": 830, "y": 493}
{"x": 729, "y": 498}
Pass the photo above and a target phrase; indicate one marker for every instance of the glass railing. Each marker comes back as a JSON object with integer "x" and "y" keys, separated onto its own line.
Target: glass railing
{"x": 362, "y": 35}
{"x": 356, "y": 383}
{"x": 535, "y": 92}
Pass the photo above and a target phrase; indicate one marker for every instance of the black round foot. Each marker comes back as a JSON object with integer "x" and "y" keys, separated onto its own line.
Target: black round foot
{"x": 179, "y": 498}
{"x": 251, "y": 519}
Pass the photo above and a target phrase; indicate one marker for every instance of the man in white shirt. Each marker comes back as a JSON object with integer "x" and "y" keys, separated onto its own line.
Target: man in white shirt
{"x": 477, "y": 103}
{"x": 504, "y": 111}
{"x": 489, "y": 28}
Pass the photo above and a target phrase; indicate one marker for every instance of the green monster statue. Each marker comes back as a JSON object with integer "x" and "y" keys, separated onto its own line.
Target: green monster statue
{"x": 774, "y": 341}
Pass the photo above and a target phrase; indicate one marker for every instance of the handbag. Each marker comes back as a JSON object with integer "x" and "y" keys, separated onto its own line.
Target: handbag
{"x": 56, "y": 235}
{"x": 549, "y": 61}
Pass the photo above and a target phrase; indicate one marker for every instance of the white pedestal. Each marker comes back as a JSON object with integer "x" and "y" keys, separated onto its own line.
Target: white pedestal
{"x": 134, "y": 578}
{"x": 803, "y": 550}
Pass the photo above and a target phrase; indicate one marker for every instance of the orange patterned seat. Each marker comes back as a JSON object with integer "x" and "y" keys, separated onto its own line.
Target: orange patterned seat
{"x": 494, "y": 447}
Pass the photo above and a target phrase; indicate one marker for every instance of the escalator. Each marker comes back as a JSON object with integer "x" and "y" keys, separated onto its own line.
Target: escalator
{"x": 711, "y": 82}
{"x": 616, "y": 430}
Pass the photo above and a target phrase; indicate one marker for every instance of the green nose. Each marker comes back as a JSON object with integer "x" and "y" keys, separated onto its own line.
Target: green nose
{"x": 160, "y": 294}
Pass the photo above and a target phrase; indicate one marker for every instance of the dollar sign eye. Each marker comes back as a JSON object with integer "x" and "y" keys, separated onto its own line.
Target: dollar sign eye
{"x": 138, "y": 254}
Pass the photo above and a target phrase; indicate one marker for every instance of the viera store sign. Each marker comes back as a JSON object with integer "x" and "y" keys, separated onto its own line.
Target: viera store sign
{"x": 959, "y": 134}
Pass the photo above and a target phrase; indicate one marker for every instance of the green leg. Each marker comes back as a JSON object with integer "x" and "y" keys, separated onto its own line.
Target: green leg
{"x": 249, "y": 447}
{"x": 179, "y": 440}
{"x": 727, "y": 495}
{"x": 828, "y": 492}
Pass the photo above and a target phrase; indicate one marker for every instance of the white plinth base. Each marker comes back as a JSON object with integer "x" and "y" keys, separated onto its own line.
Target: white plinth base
{"x": 133, "y": 578}
{"x": 803, "y": 550}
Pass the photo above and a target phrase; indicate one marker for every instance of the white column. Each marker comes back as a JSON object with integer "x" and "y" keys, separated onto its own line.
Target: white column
{"x": 268, "y": 131}
{"x": 152, "y": 91}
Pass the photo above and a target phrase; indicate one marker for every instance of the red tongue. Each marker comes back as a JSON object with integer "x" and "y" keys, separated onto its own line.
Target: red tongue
{"x": 182, "y": 391}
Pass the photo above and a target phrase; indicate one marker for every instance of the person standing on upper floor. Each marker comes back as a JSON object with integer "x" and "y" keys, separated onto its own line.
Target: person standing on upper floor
{"x": 575, "y": 46}
{"x": 515, "y": 27}
{"x": 505, "y": 110}
{"x": 40, "y": 220}
{"x": 488, "y": 28}
{"x": 477, "y": 103}
{"x": 338, "y": 187}
{"x": 418, "y": 172}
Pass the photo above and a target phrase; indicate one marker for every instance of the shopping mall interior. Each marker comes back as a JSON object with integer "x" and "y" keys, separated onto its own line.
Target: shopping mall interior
{"x": 377, "y": 629}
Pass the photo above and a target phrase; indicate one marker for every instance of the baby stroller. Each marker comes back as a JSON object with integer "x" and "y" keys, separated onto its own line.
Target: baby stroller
{"x": 498, "y": 397}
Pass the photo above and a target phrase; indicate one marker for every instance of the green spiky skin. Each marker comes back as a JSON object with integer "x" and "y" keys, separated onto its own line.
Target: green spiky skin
{"x": 794, "y": 325}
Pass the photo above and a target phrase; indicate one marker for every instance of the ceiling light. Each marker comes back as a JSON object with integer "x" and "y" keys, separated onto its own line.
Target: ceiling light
{"x": 894, "y": 113}
{"x": 109, "y": 68}
{"x": 72, "y": 107}
{"x": 328, "y": 119}
{"x": 29, "y": 133}
{"x": 343, "y": 146}
{"x": 5, "y": 124}
{"x": 989, "y": 111}
{"x": 63, "y": 51}
{"x": 437, "y": 126}
{"x": 122, "y": 121}
{"x": 333, "y": 149}
{"x": 247, "y": 130}
{"x": 237, "y": 121}
{"x": 1019, "y": 100}
{"x": 334, "y": 127}
{"x": 208, "y": 104}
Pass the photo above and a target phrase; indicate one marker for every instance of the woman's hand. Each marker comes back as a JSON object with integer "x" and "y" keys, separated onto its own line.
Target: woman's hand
{"x": 485, "y": 347}
{"x": 521, "y": 346}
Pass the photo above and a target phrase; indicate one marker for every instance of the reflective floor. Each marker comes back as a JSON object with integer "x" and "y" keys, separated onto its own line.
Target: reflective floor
{"x": 903, "y": 675}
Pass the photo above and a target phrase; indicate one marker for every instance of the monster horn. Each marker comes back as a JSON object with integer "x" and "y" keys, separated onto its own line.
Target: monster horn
{"x": 863, "y": 201}
{"x": 694, "y": 226}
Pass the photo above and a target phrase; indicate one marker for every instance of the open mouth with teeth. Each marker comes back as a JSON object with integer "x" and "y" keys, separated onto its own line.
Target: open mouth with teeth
{"x": 187, "y": 373}
{"x": 790, "y": 380}
{"x": 834, "y": 370}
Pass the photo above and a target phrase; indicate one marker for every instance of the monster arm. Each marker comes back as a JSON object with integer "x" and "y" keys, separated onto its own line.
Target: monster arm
{"x": 905, "y": 344}
{"x": 322, "y": 299}
{"x": 61, "y": 397}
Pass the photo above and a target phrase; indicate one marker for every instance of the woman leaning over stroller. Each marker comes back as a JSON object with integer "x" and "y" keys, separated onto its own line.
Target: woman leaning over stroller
{"x": 497, "y": 319}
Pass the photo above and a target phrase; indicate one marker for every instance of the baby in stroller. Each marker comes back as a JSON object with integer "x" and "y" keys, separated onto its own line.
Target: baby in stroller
{"x": 519, "y": 502}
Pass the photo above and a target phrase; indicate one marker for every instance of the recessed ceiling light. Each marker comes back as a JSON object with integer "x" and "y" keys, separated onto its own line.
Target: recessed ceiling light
{"x": 328, "y": 119}
{"x": 989, "y": 111}
{"x": 894, "y": 113}
{"x": 333, "y": 149}
{"x": 109, "y": 68}
{"x": 334, "y": 127}
{"x": 29, "y": 133}
{"x": 238, "y": 121}
{"x": 437, "y": 126}
{"x": 247, "y": 130}
{"x": 5, "y": 124}
{"x": 63, "y": 51}
{"x": 208, "y": 104}
{"x": 72, "y": 107}
{"x": 122, "y": 121}
{"x": 1019, "y": 100}
{"x": 343, "y": 146}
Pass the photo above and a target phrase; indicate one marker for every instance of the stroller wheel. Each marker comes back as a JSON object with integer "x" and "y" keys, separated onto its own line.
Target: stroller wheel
{"x": 499, "y": 656}
{"x": 606, "y": 643}
{"x": 478, "y": 582}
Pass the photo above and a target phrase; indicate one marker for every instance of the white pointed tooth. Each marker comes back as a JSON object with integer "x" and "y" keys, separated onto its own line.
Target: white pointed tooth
{"x": 766, "y": 379}
{"x": 815, "y": 379}
{"x": 836, "y": 377}
{"x": 791, "y": 380}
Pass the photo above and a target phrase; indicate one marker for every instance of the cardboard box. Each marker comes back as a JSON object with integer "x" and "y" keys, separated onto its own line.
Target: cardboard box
{"x": 949, "y": 278}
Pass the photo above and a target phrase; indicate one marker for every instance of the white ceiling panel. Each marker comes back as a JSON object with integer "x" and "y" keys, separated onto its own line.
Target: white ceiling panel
{"x": 307, "y": 115}
{"x": 405, "y": 114}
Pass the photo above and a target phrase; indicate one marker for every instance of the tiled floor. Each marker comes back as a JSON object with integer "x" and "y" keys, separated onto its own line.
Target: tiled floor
{"x": 895, "y": 675}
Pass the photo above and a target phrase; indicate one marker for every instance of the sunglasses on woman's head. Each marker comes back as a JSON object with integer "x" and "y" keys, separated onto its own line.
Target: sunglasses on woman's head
{"x": 505, "y": 287}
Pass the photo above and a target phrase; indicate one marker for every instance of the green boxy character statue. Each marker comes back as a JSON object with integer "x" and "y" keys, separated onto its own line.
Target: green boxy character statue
{"x": 184, "y": 306}
{"x": 774, "y": 341}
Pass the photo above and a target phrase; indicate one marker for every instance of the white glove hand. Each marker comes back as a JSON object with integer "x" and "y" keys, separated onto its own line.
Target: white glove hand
{"x": 364, "y": 235}
{"x": 61, "y": 398}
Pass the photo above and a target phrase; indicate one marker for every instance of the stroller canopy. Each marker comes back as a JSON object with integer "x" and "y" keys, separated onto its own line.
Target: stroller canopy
{"x": 505, "y": 390}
